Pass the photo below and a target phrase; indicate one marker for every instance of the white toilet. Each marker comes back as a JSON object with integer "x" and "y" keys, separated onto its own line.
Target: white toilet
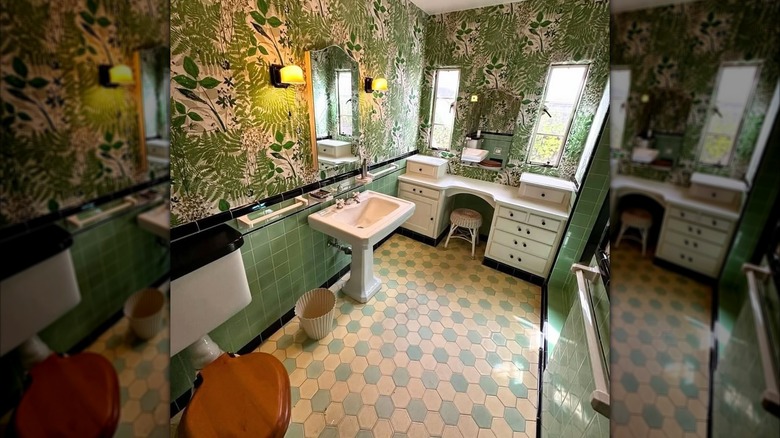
{"x": 245, "y": 395}
{"x": 37, "y": 286}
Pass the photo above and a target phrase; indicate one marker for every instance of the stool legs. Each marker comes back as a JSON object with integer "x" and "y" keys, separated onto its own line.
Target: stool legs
{"x": 474, "y": 237}
{"x": 644, "y": 232}
{"x": 623, "y": 229}
{"x": 452, "y": 230}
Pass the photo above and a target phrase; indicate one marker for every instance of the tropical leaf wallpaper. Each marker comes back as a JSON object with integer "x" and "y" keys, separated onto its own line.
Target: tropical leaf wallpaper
{"x": 507, "y": 50}
{"x": 234, "y": 137}
{"x": 674, "y": 53}
{"x": 66, "y": 139}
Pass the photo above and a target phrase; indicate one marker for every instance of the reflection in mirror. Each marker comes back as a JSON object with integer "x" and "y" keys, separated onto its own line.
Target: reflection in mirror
{"x": 153, "y": 93}
{"x": 335, "y": 86}
{"x": 491, "y": 129}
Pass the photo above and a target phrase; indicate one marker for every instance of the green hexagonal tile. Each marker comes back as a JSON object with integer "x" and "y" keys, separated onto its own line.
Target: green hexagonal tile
{"x": 440, "y": 355}
{"x": 362, "y": 348}
{"x": 150, "y": 400}
{"x": 425, "y": 333}
{"x": 414, "y": 352}
{"x": 629, "y": 382}
{"x": 320, "y": 400}
{"x": 417, "y": 410}
{"x": 387, "y": 350}
{"x": 659, "y": 385}
{"x": 353, "y": 326}
{"x": 315, "y": 369}
{"x": 372, "y": 374}
{"x": 384, "y": 407}
{"x": 343, "y": 371}
{"x": 352, "y": 403}
{"x": 449, "y": 413}
{"x": 514, "y": 419}
{"x": 401, "y": 377}
{"x": 638, "y": 358}
{"x": 335, "y": 346}
{"x": 518, "y": 388}
{"x": 481, "y": 416}
{"x": 685, "y": 419}
{"x": 652, "y": 417}
{"x": 430, "y": 380}
{"x": 450, "y": 335}
{"x": 488, "y": 385}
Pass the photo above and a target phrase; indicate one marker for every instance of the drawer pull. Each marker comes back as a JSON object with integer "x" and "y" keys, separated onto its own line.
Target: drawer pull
{"x": 414, "y": 190}
{"x": 714, "y": 194}
{"x": 682, "y": 214}
{"x": 690, "y": 259}
{"x": 519, "y": 229}
{"x": 686, "y": 242}
{"x": 515, "y": 242}
{"x": 695, "y": 245}
{"x": 420, "y": 169}
{"x": 690, "y": 229}
{"x": 714, "y": 223}
{"x": 698, "y": 231}
{"x": 431, "y": 218}
{"x": 511, "y": 214}
{"x": 511, "y": 256}
{"x": 527, "y": 231}
{"x": 682, "y": 256}
{"x": 542, "y": 194}
{"x": 524, "y": 245}
{"x": 543, "y": 222}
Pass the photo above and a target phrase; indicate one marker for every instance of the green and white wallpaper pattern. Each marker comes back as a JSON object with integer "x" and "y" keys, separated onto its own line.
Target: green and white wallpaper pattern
{"x": 674, "y": 53}
{"x": 65, "y": 138}
{"x": 235, "y": 138}
{"x": 508, "y": 49}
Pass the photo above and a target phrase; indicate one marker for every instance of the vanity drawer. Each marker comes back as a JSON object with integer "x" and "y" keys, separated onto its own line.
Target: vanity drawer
{"x": 527, "y": 246}
{"x": 687, "y": 215}
{"x": 715, "y": 222}
{"x": 515, "y": 215}
{"x": 517, "y": 259}
{"x": 714, "y": 194}
{"x": 543, "y": 193}
{"x": 693, "y": 244}
{"x": 527, "y": 231}
{"x": 419, "y": 190}
{"x": 425, "y": 169}
{"x": 698, "y": 231}
{"x": 543, "y": 222}
{"x": 689, "y": 259}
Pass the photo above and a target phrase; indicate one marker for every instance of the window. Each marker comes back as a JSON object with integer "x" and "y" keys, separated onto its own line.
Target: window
{"x": 729, "y": 101}
{"x": 344, "y": 92}
{"x": 561, "y": 96}
{"x": 445, "y": 95}
{"x": 620, "y": 78}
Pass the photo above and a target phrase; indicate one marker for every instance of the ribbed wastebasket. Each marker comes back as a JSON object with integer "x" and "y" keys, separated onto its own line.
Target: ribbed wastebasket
{"x": 144, "y": 309}
{"x": 316, "y": 310}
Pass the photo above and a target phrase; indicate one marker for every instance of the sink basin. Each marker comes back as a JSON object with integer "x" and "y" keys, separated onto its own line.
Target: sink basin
{"x": 362, "y": 225}
{"x": 156, "y": 221}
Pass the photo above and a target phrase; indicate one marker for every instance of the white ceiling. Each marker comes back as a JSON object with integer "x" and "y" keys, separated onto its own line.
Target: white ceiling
{"x": 617, "y": 6}
{"x": 433, "y": 7}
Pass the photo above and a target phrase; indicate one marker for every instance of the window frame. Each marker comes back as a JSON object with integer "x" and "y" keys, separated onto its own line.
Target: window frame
{"x": 621, "y": 112}
{"x": 758, "y": 64}
{"x": 540, "y": 112}
{"x": 338, "y": 101}
{"x": 434, "y": 93}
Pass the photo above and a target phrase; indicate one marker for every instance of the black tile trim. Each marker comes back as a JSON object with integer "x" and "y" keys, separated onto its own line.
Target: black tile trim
{"x": 422, "y": 238}
{"x": 181, "y": 402}
{"x": 186, "y": 229}
{"x": 685, "y": 272}
{"x": 514, "y": 272}
{"x": 542, "y": 361}
{"x": 713, "y": 357}
{"x": 47, "y": 219}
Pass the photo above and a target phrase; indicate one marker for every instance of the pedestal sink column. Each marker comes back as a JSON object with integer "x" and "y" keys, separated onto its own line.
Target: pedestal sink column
{"x": 362, "y": 283}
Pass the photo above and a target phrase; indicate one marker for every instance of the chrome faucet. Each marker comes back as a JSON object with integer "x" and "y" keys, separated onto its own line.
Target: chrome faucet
{"x": 364, "y": 170}
{"x": 339, "y": 204}
{"x": 356, "y": 197}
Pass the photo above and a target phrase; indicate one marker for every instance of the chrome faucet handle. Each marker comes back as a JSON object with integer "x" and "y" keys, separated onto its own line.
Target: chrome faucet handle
{"x": 356, "y": 196}
{"x": 340, "y": 203}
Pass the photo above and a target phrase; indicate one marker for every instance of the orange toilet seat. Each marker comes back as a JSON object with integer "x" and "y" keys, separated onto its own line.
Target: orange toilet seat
{"x": 73, "y": 396}
{"x": 240, "y": 396}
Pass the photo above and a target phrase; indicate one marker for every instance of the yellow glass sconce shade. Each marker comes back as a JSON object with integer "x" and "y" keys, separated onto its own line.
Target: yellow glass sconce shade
{"x": 111, "y": 76}
{"x": 284, "y": 76}
{"x": 375, "y": 84}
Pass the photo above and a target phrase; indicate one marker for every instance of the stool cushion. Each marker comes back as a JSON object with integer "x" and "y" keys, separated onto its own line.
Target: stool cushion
{"x": 637, "y": 218}
{"x": 245, "y": 395}
{"x": 70, "y": 396}
{"x": 466, "y": 218}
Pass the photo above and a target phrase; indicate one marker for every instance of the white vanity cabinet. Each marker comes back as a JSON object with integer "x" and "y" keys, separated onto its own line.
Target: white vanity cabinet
{"x": 694, "y": 240}
{"x": 427, "y": 218}
{"x": 524, "y": 238}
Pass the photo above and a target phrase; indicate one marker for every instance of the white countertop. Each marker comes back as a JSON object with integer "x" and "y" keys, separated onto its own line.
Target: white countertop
{"x": 670, "y": 194}
{"x": 499, "y": 193}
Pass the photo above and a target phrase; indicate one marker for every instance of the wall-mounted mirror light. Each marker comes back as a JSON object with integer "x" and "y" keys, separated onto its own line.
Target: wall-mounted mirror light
{"x": 111, "y": 76}
{"x": 375, "y": 84}
{"x": 284, "y": 76}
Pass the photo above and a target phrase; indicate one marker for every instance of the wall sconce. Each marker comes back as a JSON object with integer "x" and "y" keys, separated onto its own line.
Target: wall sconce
{"x": 378, "y": 84}
{"x": 284, "y": 76}
{"x": 111, "y": 76}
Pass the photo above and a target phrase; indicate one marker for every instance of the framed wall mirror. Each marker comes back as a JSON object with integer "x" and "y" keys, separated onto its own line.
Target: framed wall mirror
{"x": 490, "y": 128}
{"x": 334, "y": 110}
{"x": 152, "y": 68}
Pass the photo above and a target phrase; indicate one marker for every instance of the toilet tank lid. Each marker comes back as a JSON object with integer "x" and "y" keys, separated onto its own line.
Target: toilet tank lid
{"x": 198, "y": 250}
{"x": 27, "y": 249}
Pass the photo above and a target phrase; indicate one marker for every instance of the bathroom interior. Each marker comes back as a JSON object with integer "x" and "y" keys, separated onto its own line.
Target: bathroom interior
{"x": 337, "y": 153}
{"x": 84, "y": 226}
{"x": 694, "y": 190}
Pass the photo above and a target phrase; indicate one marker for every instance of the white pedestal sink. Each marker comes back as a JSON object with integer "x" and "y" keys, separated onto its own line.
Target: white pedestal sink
{"x": 362, "y": 225}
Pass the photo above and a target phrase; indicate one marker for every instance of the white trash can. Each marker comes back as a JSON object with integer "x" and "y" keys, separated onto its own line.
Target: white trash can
{"x": 144, "y": 309}
{"x": 316, "y": 309}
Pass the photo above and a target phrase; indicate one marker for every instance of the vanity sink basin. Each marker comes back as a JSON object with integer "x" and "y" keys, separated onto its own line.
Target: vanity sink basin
{"x": 156, "y": 221}
{"x": 362, "y": 225}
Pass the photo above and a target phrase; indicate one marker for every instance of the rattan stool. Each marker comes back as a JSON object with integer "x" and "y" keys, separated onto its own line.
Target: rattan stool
{"x": 639, "y": 219}
{"x": 470, "y": 221}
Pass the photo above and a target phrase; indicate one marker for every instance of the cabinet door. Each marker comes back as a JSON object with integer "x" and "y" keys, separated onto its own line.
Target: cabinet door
{"x": 423, "y": 218}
